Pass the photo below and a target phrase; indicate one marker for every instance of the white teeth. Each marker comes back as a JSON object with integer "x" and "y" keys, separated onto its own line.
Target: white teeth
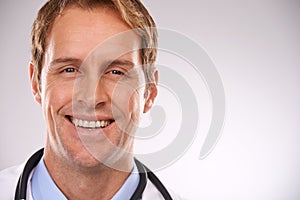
{"x": 75, "y": 121}
{"x": 86, "y": 124}
{"x": 90, "y": 124}
{"x": 98, "y": 124}
{"x": 102, "y": 123}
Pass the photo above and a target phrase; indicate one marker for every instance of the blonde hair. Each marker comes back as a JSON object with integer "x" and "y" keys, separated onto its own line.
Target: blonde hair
{"x": 132, "y": 12}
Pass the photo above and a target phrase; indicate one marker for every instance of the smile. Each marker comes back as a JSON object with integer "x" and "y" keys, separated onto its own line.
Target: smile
{"x": 90, "y": 124}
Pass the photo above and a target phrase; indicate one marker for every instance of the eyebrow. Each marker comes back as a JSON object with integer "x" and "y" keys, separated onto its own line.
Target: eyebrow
{"x": 122, "y": 62}
{"x": 65, "y": 60}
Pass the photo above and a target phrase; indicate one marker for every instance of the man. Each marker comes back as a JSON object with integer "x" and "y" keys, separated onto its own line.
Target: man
{"x": 92, "y": 71}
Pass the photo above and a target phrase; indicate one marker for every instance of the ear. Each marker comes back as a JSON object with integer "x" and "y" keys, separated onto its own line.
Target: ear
{"x": 34, "y": 83}
{"x": 151, "y": 93}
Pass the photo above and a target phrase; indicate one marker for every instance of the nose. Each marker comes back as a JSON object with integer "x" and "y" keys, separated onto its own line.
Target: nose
{"x": 89, "y": 93}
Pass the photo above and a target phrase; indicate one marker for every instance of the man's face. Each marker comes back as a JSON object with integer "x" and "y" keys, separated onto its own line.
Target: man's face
{"x": 92, "y": 96}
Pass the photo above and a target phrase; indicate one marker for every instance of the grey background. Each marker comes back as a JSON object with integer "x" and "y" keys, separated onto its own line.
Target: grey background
{"x": 255, "y": 46}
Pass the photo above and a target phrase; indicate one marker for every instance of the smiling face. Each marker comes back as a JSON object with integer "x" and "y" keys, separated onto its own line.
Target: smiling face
{"x": 92, "y": 95}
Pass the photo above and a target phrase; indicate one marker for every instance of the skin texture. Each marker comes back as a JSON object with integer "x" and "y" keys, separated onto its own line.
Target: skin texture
{"x": 83, "y": 162}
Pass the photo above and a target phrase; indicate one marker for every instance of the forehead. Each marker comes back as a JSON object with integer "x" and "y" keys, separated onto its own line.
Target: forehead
{"x": 78, "y": 31}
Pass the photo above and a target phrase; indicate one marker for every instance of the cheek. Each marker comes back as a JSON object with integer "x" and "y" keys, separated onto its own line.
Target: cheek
{"x": 138, "y": 102}
{"x": 127, "y": 106}
{"x": 130, "y": 100}
{"x": 136, "y": 106}
{"x": 55, "y": 95}
{"x": 130, "y": 94}
{"x": 54, "y": 99}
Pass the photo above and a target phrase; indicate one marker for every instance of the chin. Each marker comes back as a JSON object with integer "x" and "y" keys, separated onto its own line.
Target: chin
{"x": 84, "y": 161}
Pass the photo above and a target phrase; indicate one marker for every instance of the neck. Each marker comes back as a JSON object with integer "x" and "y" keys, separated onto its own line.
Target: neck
{"x": 97, "y": 182}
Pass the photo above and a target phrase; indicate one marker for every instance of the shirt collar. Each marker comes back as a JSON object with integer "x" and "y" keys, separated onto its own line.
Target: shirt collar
{"x": 129, "y": 187}
{"x": 43, "y": 187}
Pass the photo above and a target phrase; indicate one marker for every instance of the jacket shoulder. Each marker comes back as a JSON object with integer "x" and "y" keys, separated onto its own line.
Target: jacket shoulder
{"x": 8, "y": 181}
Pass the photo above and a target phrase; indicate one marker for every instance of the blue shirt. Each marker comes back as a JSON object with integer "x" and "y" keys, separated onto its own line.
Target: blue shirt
{"x": 43, "y": 187}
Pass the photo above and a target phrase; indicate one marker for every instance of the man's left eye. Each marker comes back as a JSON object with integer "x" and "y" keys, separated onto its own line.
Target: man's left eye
{"x": 117, "y": 72}
{"x": 70, "y": 70}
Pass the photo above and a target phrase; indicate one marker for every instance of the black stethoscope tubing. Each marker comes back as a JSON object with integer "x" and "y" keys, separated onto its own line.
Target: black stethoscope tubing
{"x": 144, "y": 172}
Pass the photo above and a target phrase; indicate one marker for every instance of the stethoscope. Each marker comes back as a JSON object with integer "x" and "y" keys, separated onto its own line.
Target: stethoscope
{"x": 144, "y": 173}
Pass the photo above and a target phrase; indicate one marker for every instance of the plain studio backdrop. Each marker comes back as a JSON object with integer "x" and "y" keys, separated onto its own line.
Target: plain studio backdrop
{"x": 255, "y": 46}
